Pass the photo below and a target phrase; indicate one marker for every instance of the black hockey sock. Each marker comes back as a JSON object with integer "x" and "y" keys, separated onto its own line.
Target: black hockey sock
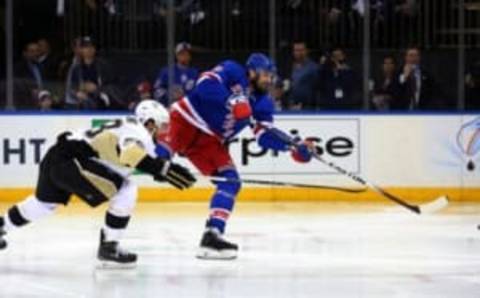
{"x": 116, "y": 222}
{"x": 114, "y": 226}
{"x": 16, "y": 217}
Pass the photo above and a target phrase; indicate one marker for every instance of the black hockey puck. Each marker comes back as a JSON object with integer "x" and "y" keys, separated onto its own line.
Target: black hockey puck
{"x": 470, "y": 166}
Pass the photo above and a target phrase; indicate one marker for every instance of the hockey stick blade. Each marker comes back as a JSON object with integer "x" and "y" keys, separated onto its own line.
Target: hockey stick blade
{"x": 434, "y": 206}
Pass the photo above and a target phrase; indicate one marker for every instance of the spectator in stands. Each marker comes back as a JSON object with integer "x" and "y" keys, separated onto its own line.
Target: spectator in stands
{"x": 187, "y": 9}
{"x": 28, "y": 67}
{"x": 413, "y": 85}
{"x": 472, "y": 93}
{"x": 88, "y": 83}
{"x": 302, "y": 86}
{"x": 344, "y": 18}
{"x": 72, "y": 56}
{"x": 184, "y": 77}
{"x": 143, "y": 90}
{"x": 406, "y": 15}
{"x": 383, "y": 91}
{"x": 407, "y": 7}
{"x": 29, "y": 79}
{"x": 47, "y": 62}
{"x": 336, "y": 82}
{"x": 45, "y": 101}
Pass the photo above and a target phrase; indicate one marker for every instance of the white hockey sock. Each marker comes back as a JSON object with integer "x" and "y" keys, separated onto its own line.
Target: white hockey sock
{"x": 30, "y": 209}
{"x": 118, "y": 214}
{"x": 112, "y": 234}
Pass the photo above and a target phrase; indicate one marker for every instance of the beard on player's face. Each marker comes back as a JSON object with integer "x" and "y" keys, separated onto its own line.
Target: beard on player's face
{"x": 260, "y": 81}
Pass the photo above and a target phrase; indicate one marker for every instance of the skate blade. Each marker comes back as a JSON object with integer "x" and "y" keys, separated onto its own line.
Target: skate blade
{"x": 110, "y": 265}
{"x": 212, "y": 254}
{"x": 114, "y": 273}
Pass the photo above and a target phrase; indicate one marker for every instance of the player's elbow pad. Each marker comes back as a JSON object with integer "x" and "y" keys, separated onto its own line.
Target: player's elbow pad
{"x": 271, "y": 139}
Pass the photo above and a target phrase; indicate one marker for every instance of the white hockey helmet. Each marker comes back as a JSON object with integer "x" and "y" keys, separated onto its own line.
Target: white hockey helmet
{"x": 152, "y": 110}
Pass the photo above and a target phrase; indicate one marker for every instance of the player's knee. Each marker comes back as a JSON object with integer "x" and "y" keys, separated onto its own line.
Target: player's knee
{"x": 233, "y": 186}
{"x": 32, "y": 208}
{"x": 123, "y": 203}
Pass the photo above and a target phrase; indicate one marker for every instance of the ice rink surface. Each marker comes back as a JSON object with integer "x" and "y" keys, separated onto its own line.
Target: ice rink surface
{"x": 287, "y": 250}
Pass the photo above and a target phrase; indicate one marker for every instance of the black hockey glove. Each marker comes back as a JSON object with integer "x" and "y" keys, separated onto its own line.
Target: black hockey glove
{"x": 165, "y": 170}
{"x": 177, "y": 175}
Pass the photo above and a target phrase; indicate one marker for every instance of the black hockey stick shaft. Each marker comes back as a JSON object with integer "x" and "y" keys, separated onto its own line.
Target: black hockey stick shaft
{"x": 289, "y": 184}
{"x": 377, "y": 189}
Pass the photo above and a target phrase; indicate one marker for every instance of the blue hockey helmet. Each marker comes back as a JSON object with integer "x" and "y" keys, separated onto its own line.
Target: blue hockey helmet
{"x": 258, "y": 62}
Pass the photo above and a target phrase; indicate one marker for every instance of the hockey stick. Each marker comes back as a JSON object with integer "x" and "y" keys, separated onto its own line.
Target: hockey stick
{"x": 431, "y": 207}
{"x": 289, "y": 184}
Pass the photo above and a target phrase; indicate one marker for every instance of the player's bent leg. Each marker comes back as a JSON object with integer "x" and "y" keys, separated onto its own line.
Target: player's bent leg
{"x": 212, "y": 245}
{"x": 29, "y": 210}
{"x": 95, "y": 183}
{"x": 116, "y": 221}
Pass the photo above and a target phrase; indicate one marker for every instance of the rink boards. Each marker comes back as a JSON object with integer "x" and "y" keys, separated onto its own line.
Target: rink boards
{"x": 418, "y": 156}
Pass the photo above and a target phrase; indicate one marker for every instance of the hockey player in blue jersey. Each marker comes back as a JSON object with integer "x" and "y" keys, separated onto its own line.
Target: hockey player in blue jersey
{"x": 224, "y": 101}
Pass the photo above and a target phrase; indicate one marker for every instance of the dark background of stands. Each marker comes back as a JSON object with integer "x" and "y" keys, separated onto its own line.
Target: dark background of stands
{"x": 135, "y": 39}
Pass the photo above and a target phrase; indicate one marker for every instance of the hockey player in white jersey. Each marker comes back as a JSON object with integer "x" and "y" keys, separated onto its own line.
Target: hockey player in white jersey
{"x": 95, "y": 165}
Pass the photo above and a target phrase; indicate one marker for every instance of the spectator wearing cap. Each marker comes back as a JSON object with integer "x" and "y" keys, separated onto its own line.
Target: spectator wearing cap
{"x": 184, "y": 77}
{"x": 88, "y": 80}
{"x": 143, "y": 91}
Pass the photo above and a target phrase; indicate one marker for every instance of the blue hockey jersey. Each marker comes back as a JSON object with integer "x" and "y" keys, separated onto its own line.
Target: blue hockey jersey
{"x": 209, "y": 105}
